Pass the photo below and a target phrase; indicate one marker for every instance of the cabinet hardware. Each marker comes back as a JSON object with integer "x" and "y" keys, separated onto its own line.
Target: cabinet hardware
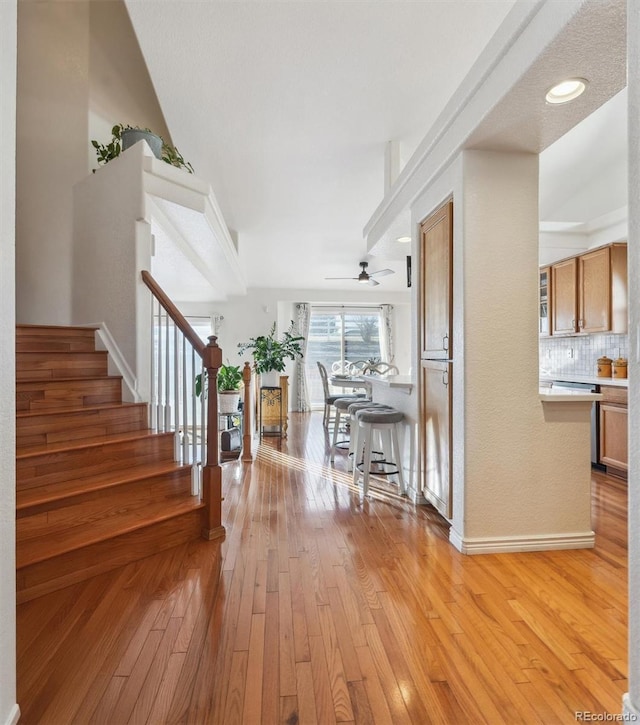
{"x": 445, "y": 342}
{"x": 445, "y": 378}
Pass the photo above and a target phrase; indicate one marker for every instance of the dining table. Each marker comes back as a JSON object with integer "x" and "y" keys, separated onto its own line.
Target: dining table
{"x": 352, "y": 382}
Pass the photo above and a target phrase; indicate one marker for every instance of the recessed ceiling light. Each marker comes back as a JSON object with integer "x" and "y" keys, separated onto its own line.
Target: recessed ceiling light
{"x": 566, "y": 91}
{"x": 403, "y": 240}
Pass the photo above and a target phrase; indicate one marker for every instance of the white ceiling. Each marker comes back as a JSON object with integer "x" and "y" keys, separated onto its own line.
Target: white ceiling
{"x": 286, "y": 108}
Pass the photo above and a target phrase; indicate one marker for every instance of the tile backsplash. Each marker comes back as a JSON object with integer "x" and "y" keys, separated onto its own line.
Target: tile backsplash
{"x": 579, "y": 354}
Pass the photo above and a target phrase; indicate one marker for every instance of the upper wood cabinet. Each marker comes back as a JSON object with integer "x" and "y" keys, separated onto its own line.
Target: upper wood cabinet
{"x": 545, "y": 302}
{"x": 589, "y": 292}
{"x": 436, "y": 251}
{"x": 564, "y": 283}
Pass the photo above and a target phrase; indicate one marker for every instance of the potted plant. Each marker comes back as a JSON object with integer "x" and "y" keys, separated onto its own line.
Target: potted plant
{"x": 229, "y": 384}
{"x": 122, "y": 137}
{"x": 270, "y": 353}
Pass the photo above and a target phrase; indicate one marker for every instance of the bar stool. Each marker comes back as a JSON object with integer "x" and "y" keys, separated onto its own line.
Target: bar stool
{"x": 341, "y": 406}
{"x": 386, "y": 422}
{"x": 355, "y": 444}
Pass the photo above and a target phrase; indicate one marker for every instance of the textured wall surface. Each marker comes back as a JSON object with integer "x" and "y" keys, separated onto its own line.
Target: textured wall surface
{"x": 633, "y": 34}
{"x": 8, "y": 707}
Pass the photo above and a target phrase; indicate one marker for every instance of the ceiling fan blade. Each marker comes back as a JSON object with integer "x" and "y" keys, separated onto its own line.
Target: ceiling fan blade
{"x": 372, "y": 281}
{"x": 341, "y": 278}
{"x": 381, "y": 273}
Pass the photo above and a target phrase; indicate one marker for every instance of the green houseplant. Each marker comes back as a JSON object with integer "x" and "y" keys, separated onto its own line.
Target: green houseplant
{"x": 270, "y": 353}
{"x": 229, "y": 384}
{"x": 111, "y": 150}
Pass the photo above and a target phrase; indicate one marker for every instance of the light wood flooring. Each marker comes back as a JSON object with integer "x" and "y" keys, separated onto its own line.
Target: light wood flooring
{"x": 321, "y": 607}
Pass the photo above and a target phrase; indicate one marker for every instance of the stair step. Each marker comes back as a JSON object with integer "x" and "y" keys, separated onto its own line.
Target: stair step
{"x": 45, "y": 427}
{"x": 37, "y": 499}
{"x": 143, "y": 538}
{"x": 38, "y": 395}
{"x": 83, "y": 520}
{"x": 36, "y": 366}
{"x": 49, "y": 464}
{"x": 46, "y": 338}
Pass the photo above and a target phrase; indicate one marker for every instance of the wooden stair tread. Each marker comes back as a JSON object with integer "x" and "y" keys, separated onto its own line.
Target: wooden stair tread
{"x": 20, "y": 326}
{"x": 48, "y": 381}
{"x": 75, "y": 409}
{"x": 50, "y": 546}
{"x": 55, "y": 492}
{"x": 95, "y": 442}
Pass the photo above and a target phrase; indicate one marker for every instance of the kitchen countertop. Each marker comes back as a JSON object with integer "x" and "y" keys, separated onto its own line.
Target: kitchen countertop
{"x": 567, "y": 395}
{"x": 402, "y": 382}
{"x": 593, "y": 379}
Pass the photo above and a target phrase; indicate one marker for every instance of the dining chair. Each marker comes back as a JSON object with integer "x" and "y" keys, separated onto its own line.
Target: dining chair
{"x": 330, "y": 398}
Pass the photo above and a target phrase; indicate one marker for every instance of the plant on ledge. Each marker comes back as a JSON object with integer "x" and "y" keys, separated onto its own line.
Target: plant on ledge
{"x": 110, "y": 151}
{"x": 269, "y": 353}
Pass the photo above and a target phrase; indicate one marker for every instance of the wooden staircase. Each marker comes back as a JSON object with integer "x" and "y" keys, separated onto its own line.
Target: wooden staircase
{"x": 95, "y": 487}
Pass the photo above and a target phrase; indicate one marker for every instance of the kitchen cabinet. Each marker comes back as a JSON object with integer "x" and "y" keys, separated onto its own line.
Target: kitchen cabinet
{"x": 564, "y": 282}
{"x": 589, "y": 292}
{"x": 544, "y": 299}
{"x": 436, "y": 249}
{"x": 436, "y": 352}
{"x": 613, "y": 429}
{"x": 435, "y": 434}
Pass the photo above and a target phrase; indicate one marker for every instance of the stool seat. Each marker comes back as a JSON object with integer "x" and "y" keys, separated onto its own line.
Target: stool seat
{"x": 377, "y": 415}
{"x": 344, "y": 401}
{"x": 341, "y": 405}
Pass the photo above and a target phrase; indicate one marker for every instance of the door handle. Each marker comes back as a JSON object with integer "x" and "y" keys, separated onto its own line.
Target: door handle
{"x": 445, "y": 342}
{"x": 445, "y": 378}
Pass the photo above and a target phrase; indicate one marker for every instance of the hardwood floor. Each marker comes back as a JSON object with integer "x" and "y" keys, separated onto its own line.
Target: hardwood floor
{"x": 320, "y": 607}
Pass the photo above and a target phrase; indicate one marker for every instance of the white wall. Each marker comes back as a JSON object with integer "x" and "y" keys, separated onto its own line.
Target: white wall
{"x": 521, "y": 470}
{"x": 8, "y": 709}
{"x": 66, "y": 76}
{"x": 632, "y": 701}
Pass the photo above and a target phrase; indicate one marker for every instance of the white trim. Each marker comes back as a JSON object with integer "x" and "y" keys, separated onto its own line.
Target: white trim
{"x": 629, "y": 712}
{"x": 14, "y": 715}
{"x": 513, "y": 544}
{"x": 116, "y": 358}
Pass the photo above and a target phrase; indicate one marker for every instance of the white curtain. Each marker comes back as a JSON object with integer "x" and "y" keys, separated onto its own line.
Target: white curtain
{"x": 386, "y": 333}
{"x": 302, "y": 328}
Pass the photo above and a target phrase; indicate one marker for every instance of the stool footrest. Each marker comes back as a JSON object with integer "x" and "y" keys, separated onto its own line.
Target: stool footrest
{"x": 375, "y": 472}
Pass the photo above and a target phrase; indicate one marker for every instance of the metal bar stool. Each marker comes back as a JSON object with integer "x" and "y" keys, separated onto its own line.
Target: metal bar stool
{"x": 386, "y": 422}
{"x": 341, "y": 406}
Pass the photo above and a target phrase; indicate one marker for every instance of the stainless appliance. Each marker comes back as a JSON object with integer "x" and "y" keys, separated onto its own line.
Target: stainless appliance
{"x": 595, "y": 417}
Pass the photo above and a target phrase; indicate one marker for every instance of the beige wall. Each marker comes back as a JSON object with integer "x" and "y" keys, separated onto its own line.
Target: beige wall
{"x": 8, "y": 708}
{"x": 79, "y": 72}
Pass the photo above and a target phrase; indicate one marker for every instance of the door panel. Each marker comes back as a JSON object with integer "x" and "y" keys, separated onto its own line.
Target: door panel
{"x": 594, "y": 291}
{"x": 564, "y": 285}
{"x": 436, "y": 250}
{"x": 435, "y": 434}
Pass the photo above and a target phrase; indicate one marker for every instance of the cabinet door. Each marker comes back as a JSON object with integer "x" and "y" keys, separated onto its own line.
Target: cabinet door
{"x": 613, "y": 436}
{"x": 436, "y": 250}
{"x": 594, "y": 291}
{"x": 545, "y": 302}
{"x": 564, "y": 282}
{"x": 435, "y": 434}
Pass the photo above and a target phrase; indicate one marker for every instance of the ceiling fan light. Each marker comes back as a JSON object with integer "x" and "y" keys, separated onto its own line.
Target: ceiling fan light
{"x": 403, "y": 240}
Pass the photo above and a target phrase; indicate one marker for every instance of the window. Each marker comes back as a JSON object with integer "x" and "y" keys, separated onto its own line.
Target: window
{"x": 340, "y": 333}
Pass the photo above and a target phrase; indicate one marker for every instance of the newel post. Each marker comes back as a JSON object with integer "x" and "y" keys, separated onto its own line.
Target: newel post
{"x": 247, "y": 457}
{"x": 212, "y": 527}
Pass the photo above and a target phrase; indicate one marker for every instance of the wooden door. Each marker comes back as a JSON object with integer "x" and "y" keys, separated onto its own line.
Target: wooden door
{"x": 594, "y": 291}
{"x": 436, "y": 282}
{"x": 564, "y": 283}
{"x": 613, "y": 436}
{"x": 435, "y": 434}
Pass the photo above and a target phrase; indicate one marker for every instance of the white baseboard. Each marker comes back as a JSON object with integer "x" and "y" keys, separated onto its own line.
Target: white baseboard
{"x": 14, "y": 715}
{"x": 629, "y": 712}
{"x": 512, "y": 544}
{"x": 116, "y": 358}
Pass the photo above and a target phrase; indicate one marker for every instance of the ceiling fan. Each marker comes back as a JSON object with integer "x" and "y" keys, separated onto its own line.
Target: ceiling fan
{"x": 367, "y": 277}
